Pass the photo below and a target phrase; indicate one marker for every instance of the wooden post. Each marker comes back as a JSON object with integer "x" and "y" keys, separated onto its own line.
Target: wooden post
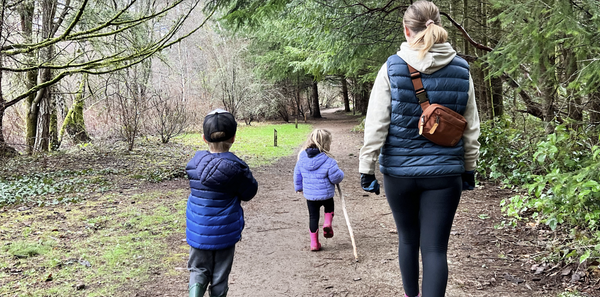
{"x": 296, "y": 122}
{"x": 275, "y": 137}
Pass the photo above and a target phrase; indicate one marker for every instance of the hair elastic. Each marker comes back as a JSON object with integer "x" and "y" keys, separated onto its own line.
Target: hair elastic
{"x": 429, "y": 22}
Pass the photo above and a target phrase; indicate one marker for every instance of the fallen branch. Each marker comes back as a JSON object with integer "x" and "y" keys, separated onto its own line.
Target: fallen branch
{"x": 348, "y": 222}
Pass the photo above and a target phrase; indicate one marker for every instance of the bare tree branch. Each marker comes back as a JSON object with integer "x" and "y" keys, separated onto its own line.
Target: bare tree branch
{"x": 466, "y": 35}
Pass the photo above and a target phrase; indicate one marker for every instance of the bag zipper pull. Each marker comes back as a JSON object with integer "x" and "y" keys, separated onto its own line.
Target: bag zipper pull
{"x": 421, "y": 125}
{"x": 437, "y": 122}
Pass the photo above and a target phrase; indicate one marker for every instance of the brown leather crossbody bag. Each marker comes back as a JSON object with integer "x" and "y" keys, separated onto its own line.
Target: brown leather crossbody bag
{"x": 440, "y": 124}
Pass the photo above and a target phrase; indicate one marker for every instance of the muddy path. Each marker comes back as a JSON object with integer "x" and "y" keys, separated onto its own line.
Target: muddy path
{"x": 273, "y": 257}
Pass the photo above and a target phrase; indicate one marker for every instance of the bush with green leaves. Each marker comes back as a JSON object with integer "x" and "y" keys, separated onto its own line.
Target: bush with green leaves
{"x": 568, "y": 189}
{"x": 506, "y": 153}
{"x": 560, "y": 174}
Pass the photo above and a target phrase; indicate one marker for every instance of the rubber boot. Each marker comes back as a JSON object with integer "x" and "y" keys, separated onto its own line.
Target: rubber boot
{"x": 327, "y": 228}
{"x": 314, "y": 241}
{"x": 197, "y": 290}
{"x": 417, "y": 295}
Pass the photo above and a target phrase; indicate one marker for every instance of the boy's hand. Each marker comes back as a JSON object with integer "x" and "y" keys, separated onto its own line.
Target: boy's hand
{"x": 468, "y": 180}
{"x": 299, "y": 191}
{"x": 369, "y": 183}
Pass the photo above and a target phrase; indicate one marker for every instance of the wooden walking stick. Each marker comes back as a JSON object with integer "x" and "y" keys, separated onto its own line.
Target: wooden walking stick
{"x": 348, "y": 222}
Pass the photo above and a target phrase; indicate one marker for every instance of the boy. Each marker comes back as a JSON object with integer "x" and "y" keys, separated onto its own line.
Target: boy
{"x": 219, "y": 181}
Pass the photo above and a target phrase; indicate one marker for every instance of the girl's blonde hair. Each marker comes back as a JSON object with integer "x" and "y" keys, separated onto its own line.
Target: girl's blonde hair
{"x": 415, "y": 19}
{"x": 320, "y": 139}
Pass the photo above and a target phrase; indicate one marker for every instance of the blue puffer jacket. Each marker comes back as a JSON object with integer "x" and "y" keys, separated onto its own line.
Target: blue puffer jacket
{"x": 405, "y": 152}
{"x": 316, "y": 174}
{"x": 218, "y": 183}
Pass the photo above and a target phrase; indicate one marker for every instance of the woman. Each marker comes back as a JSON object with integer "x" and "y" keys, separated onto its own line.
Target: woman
{"x": 423, "y": 181}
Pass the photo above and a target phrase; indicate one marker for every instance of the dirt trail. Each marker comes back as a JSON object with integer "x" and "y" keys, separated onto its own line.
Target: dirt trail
{"x": 273, "y": 257}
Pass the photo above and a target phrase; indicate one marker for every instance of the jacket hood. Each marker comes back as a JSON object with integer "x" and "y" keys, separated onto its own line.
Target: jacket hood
{"x": 215, "y": 170}
{"x": 440, "y": 55}
{"x": 314, "y": 162}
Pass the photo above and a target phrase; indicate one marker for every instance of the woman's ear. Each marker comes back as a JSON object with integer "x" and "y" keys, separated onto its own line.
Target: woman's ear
{"x": 406, "y": 31}
{"x": 204, "y": 138}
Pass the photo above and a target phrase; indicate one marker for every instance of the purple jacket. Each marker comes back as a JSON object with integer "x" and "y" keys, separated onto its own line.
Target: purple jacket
{"x": 316, "y": 174}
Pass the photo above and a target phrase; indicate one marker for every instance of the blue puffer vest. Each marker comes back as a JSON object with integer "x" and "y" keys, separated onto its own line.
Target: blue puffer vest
{"x": 218, "y": 182}
{"x": 405, "y": 152}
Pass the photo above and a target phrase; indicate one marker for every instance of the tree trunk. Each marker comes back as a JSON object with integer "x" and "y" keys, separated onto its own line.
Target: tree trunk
{"x": 42, "y": 137}
{"x": 316, "y": 111}
{"x": 5, "y": 150}
{"x": 74, "y": 123}
{"x": 44, "y": 95}
{"x": 54, "y": 143}
{"x": 481, "y": 93}
{"x": 345, "y": 94}
{"x": 548, "y": 92}
{"x": 497, "y": 97}
{"x": 466, "y": 9}
{"x": 575, "y": 109}
{"x": 496, "y": 83}
{"x": 26, "y": 13}
{"x": 364, "y": 98}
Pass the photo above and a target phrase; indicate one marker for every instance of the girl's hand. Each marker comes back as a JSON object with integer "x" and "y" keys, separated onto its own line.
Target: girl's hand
{"x": 299, "y": 191}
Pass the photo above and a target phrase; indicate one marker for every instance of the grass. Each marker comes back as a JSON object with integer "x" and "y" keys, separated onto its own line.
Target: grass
{"x": 99, "y": 247}
{"x": 255, "y": 144}
{"x": 111, "y": 230}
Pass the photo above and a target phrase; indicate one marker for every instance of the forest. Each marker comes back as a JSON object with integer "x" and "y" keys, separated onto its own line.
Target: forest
{"x": 97, "y": 97}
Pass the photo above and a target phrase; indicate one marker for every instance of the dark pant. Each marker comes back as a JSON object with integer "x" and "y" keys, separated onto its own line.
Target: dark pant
{"x": 423, "y": 210}
{"x": 314, "y": 211}
{"x": 211, "y": 266}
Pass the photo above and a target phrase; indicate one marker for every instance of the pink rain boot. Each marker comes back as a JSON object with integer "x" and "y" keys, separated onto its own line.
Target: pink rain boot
{"x": 314, "y": 241}
{"x": 327, "y": 228}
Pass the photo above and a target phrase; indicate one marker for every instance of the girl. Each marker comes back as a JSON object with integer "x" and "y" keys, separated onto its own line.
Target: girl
{"x": 316, "y": 174}
{"x": 422, "y": 180}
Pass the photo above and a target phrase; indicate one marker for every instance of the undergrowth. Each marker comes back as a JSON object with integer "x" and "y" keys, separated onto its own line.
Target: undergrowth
{"x": 87, "y": 222}
{"x": 557, "y": 177}
{"x": 72, "y": 175}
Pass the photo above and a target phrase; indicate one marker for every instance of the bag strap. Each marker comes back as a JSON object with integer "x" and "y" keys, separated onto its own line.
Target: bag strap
{"x": 415, "y": 77}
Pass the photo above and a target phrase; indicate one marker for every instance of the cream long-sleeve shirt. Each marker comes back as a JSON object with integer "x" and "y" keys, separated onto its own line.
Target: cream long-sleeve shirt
{"x": 377, "y": 122}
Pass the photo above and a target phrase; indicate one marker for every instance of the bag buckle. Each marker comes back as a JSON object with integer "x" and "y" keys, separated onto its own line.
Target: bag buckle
{"x": 421, "y": 95}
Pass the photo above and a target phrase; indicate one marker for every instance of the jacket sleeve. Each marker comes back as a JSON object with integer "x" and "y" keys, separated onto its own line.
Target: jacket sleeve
{"x": 335, "y": 174}
{"x": 297, "y": 178}
{"x": 377, "y": 122}
{"x": 471, "y": 134}
{"x": 247, "y": 184}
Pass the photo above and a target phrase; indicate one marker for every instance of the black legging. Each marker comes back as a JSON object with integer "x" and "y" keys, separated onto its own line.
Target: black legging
{"x": 314, "y": 210}
{"x": 423, "y": 210}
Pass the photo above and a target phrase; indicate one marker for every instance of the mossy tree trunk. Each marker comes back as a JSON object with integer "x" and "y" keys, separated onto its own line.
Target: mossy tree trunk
{"x": 42, "y": 136}
{"x": 26, "y": 13}
{"x": 547, "y": 82}
{"x": 5, "y": 150}
{"x": 54, "y": 142}
{"x": 74, "y": 124}
{"x": 575, "y": 109}
{"x": 43, "y": 99}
